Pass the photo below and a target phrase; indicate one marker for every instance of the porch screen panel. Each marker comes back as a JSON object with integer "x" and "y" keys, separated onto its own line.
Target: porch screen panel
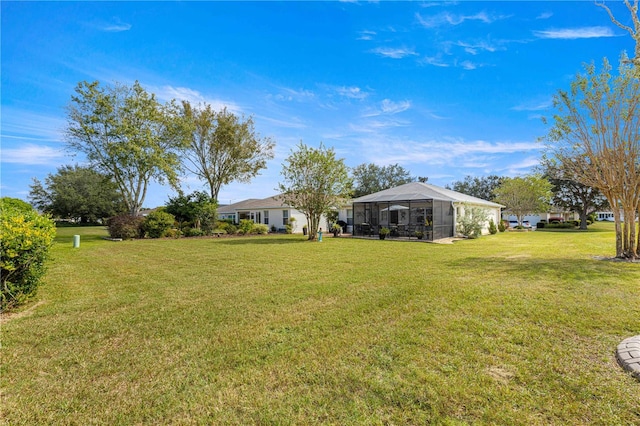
{"x": 360, "y": 217}
{"x": 375, "y": 214}
{"x": 421, "y": 218}
{"x": 442, "y": 219}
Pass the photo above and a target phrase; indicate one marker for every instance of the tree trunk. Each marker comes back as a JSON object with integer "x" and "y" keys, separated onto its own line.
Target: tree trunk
{"x": 583, "y": 219}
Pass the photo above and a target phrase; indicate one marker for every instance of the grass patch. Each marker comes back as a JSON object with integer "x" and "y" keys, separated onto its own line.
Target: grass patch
{"x": 515, "y": 328}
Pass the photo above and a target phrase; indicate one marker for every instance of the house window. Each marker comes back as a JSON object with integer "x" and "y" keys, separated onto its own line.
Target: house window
{"x": 285, "y": 217}
{"x": 349, "y": 216}
{"x": 266, "y": 217}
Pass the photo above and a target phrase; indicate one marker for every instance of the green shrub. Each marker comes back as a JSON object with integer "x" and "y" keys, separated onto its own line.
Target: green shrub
{"x": 493, "y": 229}
{"x": 560, "y": 225}
{"x": 470, "y": 223}
{"x": 173, "y": 233}
{"x": 540, "y": 225}
{"x": 157, "y": 224}
{"x": 193, "y": 232}
{"x": 125, "y": 226}
{"x": 25, "y": 240}
{"x": 501, "y": 226}
{"x": 288, "y": 229}
{"x": 259, "y": 229}
{"x": 228, "y": 227}
{"x": 246, "y": 225}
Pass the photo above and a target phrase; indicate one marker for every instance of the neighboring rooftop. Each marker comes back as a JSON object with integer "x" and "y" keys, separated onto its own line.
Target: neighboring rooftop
{"x": 254, "y": 204}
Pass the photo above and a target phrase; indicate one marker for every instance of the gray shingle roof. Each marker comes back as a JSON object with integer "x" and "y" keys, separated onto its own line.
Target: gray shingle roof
{"x": 415, "y": 191}
{"x": 274, "y": 202}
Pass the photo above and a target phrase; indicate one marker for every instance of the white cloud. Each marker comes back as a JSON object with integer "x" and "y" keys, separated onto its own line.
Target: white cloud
{"x": 294, "y": 95}
{"x": 468, "y": 65}
{"x": 537, "y": 105}
{"x": 291, "y": 123}
{"x": 521, "y": 166}
{"x": 21, "y": 124}
{"x": 435, "y": 61}
{"x": 366, "y": 35}
{"x": 390, "y": 107}
{"x": 376, "y": 126}
{"x": 117, "y": 27}
{"x": 450, "y": 152}
{"x": 575, "y": 33}
{"x": 394, "y": 52}
{"x": 545, "y": 15}
{"x": 166, "y": 93}
{"x": 447, "y": 18}
{"x": 473, "y": 48}
{"x": 352, "y": 92}
{"x": 31, "y": 154}
{"x": 387, "y": 107}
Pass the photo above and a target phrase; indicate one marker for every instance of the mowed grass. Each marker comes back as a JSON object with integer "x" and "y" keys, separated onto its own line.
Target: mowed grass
{"x": 516, "y": 328}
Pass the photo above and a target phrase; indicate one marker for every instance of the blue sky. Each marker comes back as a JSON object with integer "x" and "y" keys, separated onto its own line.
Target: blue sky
{"x": 445, "y": 89}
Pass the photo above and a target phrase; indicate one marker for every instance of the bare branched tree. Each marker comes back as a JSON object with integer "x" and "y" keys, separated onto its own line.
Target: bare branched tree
{"x": 596, "y": 135}
{"x": 634, "y": 32}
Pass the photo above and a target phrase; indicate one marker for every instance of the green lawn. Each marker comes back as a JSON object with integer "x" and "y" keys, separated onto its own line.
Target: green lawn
{"x": 516, "y": 328}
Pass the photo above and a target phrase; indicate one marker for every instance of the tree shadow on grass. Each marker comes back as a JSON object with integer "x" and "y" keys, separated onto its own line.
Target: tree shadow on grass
{"x": 575, "y": 270}
{"x": 573, "y": 230}
{"x": 261, "y": 241}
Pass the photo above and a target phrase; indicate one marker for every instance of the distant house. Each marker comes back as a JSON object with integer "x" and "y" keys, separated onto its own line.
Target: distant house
{"x": 553, "y": 215}
{"x": 273, "y": 212}
{"x": 417, "y": 207}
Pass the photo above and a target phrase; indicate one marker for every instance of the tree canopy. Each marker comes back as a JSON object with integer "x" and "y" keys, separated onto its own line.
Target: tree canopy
{"x": 596, "y": 136}
{"x": 314, "y": 181}
{"x": 197, "y": 208}
{"x": 223, "y": 147}
{"x": 126, "y": 133}
{"x": 524, "y": 195}
{"x": 369, "y": 178}
{"x": 479, "y": 187}
{"x": 570, "y": 194}
{"x": 76, "y": 192}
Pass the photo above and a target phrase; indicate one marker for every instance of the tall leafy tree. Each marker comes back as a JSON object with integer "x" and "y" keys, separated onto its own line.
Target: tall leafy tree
{"x": 126, "y": 133}
{"x": 223, "y": 147}
{"x": 479, "y": 187}
{"x": 314, "y": 182}
{"x": 77, "y": 192}
{"x": 596, "y": 136}
{"x": 524, "y": 195}
{"x": 369, "y": 178}
{"x": 570, "y": 194}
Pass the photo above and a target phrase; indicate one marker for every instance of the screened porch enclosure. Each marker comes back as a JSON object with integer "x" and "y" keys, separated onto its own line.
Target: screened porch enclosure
{"x": 434, "y": 219}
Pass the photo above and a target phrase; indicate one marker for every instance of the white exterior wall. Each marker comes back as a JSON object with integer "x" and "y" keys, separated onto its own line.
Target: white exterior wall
{"x": 492, "y": 213}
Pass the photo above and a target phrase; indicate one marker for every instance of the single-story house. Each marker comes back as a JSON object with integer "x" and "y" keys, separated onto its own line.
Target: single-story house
{"x": 273, "y": 212}
{"x": 417, "y": 207}
{"x": 554, "y": 214}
